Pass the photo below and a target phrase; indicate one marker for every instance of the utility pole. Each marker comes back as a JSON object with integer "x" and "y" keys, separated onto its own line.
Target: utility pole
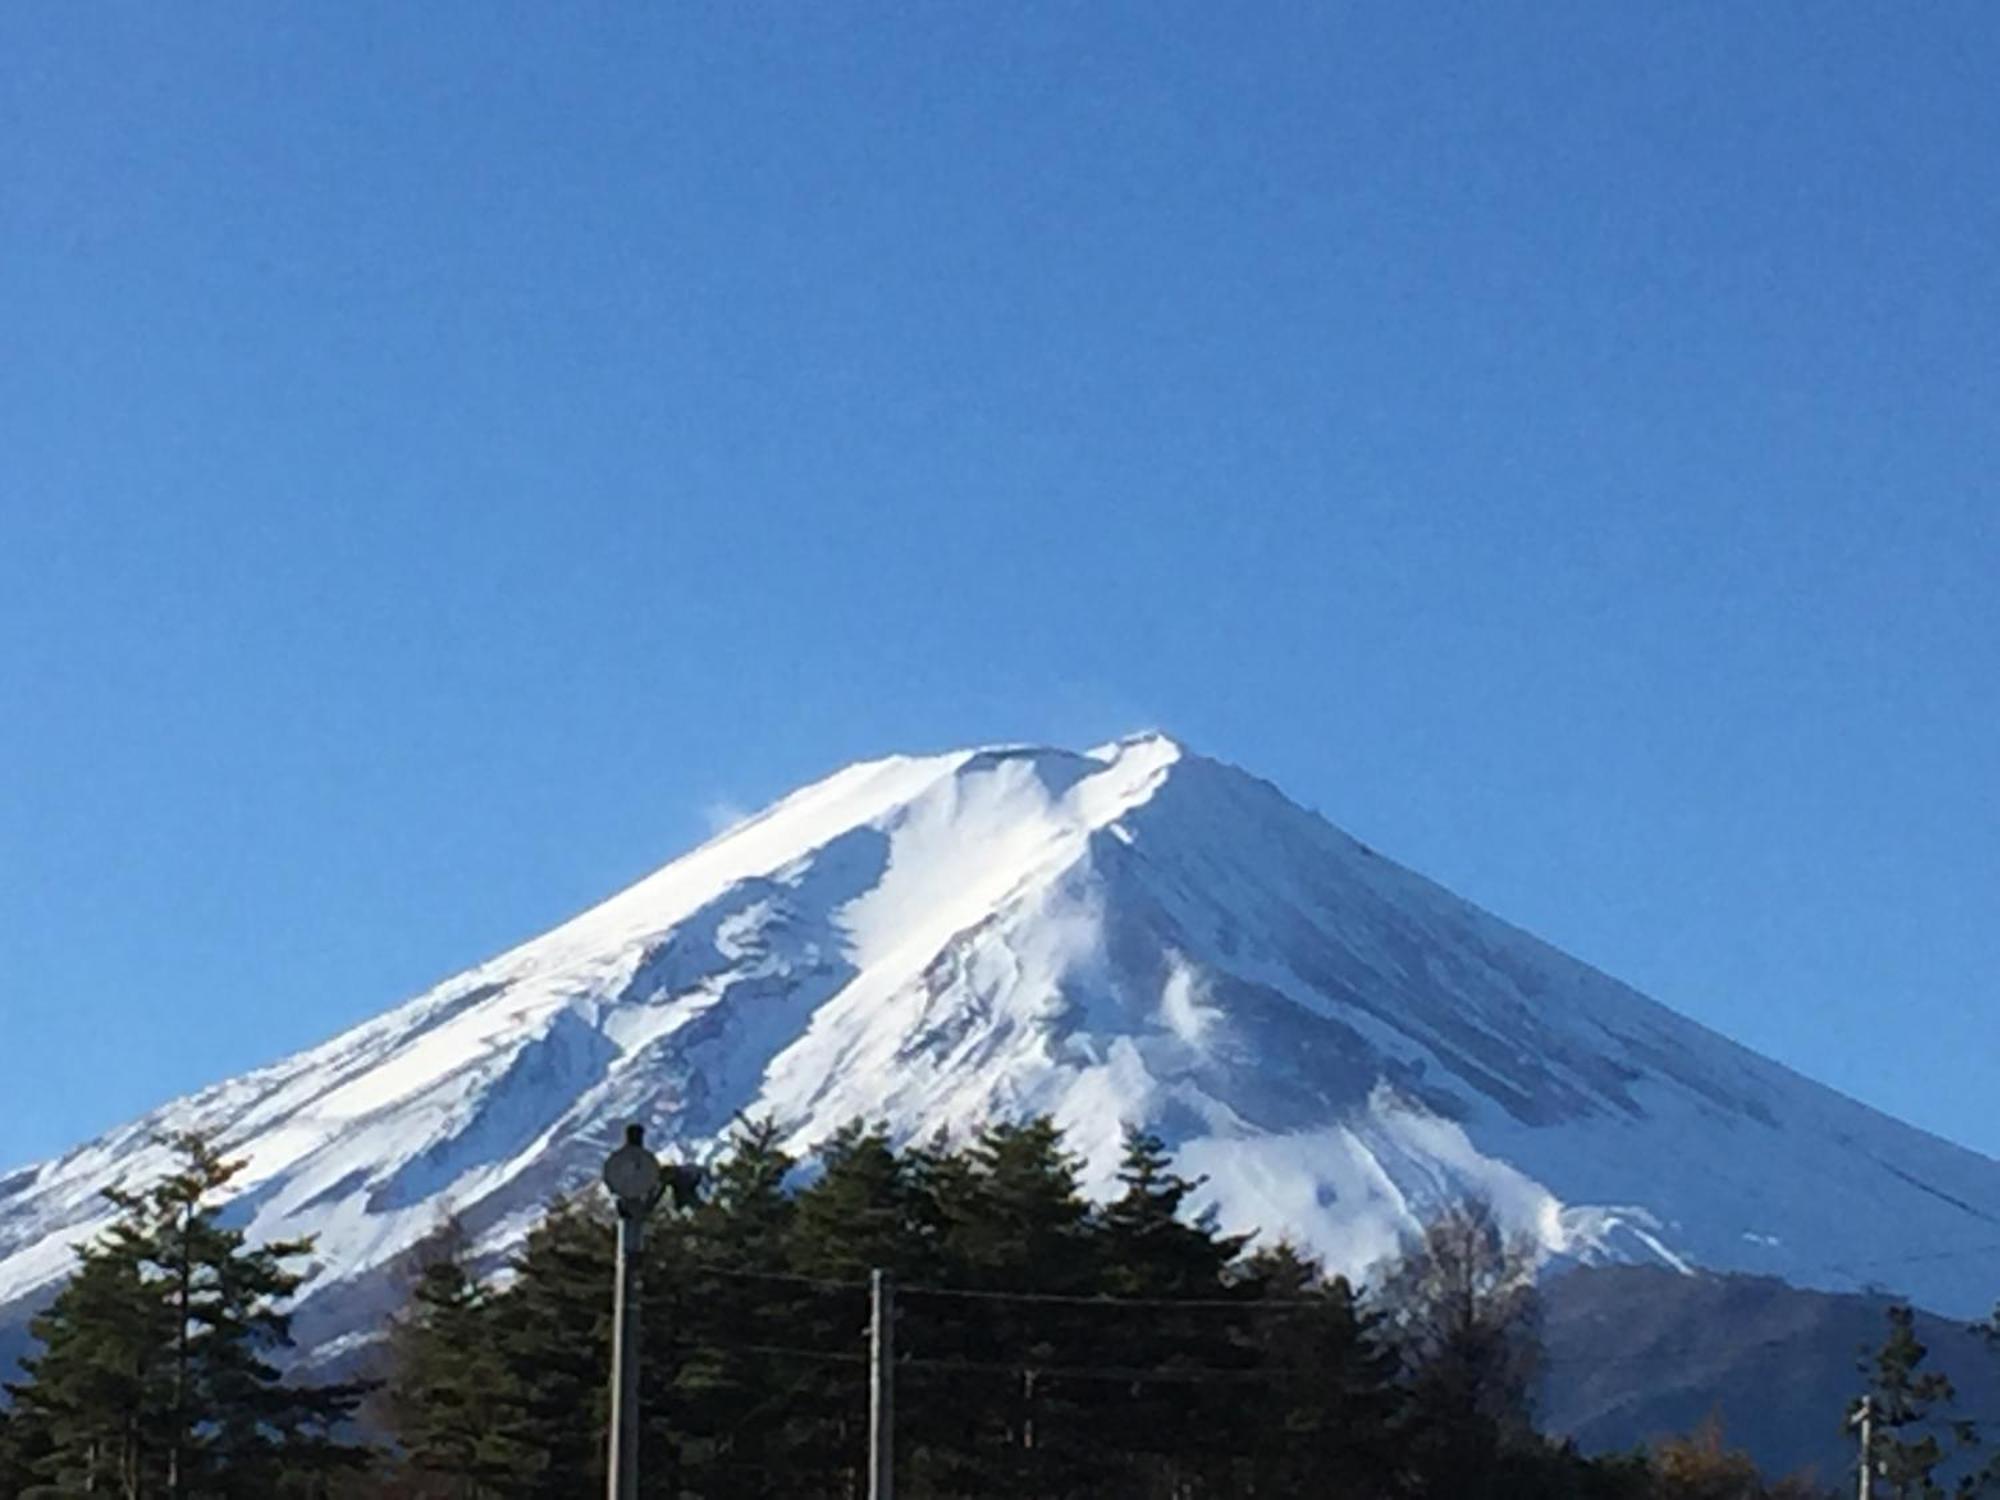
{"x": 1863, "y": 1421}
{"x": 881, "y": 1387}
{"x": 635, "y": 1180}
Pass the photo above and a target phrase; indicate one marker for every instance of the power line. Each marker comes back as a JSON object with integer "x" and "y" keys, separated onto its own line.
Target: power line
{"x": 1261, "y": 1307}
{"x": 1198, "y": 1372}
{"x": 1241, "y": 1304}
{"x": 1134, "y": 1374}
{"x": 790, "y": 1278}
{"x": 1290, "y": 1306}
{"x": 1171, "y": 1374}
{"x": 825, "y": 1356}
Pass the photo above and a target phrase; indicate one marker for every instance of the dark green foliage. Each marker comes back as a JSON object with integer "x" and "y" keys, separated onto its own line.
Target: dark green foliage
{"x": 444, "y": 1399}
{"x": 552, "y": 1335}
{"x": 1001, "y": 1416}
{"x": 95, "y": 1402}
{"x": 155, "y": 1373}
{"x": 1986, "y": 1480}
{"x": 1183, "y": 1424}
{"x": 1332, "y": 1404}
{"x": 1047, "y": 1348}
{"x": 18, "y": 1453}
{"x": 860, "y": 1214}
{"x": 500, "y": 1395}
{"x": 1907, "y": 1448}
{"x": 732, "y": 1391}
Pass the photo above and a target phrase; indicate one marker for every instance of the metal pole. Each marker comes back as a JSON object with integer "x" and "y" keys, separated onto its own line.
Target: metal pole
{"x": 633, "y": 1175}
{"x": 881, "y": 1387}
{"x": 624, "y": 1466}
{"x": 1864, "y": 1419}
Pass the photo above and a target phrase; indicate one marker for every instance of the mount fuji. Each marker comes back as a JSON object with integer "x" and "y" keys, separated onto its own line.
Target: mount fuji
{"x": 1134, "y": 935}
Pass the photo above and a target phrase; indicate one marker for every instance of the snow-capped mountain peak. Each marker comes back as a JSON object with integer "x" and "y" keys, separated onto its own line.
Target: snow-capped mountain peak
{"x": 1129, "y": 935}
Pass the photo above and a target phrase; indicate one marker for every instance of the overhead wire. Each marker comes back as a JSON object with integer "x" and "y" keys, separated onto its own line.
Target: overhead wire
{"x": 1291, "y": 1306}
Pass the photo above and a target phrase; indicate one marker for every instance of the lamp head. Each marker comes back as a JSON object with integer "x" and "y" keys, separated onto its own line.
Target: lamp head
{"x": 632, "y": 1174}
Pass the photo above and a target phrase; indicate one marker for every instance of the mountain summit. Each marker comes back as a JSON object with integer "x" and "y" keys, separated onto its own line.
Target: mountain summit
{"x": 1131, "y": 935}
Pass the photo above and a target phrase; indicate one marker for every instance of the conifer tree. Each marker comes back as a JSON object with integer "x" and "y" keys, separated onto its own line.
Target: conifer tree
{"x": 1173, "y": 1419}
{"x": 1328, "y": 1412}
{"x": 1016, "y": 1221}
{"x": 1046, "y": 1350}
{"x": 731, "y": 1388}
{"x": 444, "y": 1400}
{"x": 939, "y": 1402}
{"x": 1152, "y": 1247}
{"x": 17, "y": 1454}
{"x": 552, "y": 1342}
{"x": 857, "y": 1216}
{"x": 1906, "y": 1398}
{"x": 155, "y": 1375}
{"x": 94, "y": 1404}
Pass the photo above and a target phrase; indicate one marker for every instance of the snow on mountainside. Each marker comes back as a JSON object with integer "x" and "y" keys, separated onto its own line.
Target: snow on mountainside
{"x": 1135, "y": 934}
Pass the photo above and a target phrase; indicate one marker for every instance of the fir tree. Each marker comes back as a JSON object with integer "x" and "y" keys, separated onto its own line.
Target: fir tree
{"x": 1327, "y": 1414}
{"x": 1151, "y": 1247}
{"x": 552, "y": 1342}
{"x": 731, "y": 1387}
{"x": 859, "y": 1215}
{"x": 1049, "y": 1349}
{"x": 18, "y": 1453}
{"x": 1906, "y": 1398}
{"x": 1175, "y": 1421}
{"x": 156, "y": 1375}
{"x": 1016, "y": 1222}
{"x": 444, "y": 1398}
{"x": 93, "y": 1409}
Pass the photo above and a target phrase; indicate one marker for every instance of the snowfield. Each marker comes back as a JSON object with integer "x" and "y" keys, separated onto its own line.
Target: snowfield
{"x": 1130, "y": 935}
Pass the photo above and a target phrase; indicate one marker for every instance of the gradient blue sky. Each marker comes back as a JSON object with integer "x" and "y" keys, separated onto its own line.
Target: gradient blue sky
{"x": 449, "y": 452}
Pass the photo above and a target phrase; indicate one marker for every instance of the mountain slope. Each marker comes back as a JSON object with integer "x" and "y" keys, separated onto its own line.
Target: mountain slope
{"x": 1136, "y": 934}
{"x": 1636, "y": 1353}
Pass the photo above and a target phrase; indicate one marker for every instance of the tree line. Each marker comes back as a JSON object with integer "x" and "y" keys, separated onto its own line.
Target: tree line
{"x": 1048, "y": 1347}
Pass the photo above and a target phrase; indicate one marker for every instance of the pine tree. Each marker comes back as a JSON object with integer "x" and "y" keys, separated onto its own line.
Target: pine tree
{"x": 552, "y": 1344}
{"x": 156, "y": 1377}
{"x": 1016, "y": 1222}
{"x": 1985, "y": 1480}
{"x": 444, "y": 1400}
{"x": 1327, "y": 1414}
{"x": 1906, "y": 1398}
{"x": 1042, "y": 1344}
{"x": 1153, "y": 1249}
{"x": 1174, "y": 1421}
{"x": 94, "y": 1405}
{"x": 940, "y": 1398}
{"x": 18, "y": 1452}
{"x": 731, "y": 1388}
{"x": 859, "y": 1215}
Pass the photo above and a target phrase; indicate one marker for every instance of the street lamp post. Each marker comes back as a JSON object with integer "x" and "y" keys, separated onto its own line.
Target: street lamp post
{"x": 634, "y": 1177}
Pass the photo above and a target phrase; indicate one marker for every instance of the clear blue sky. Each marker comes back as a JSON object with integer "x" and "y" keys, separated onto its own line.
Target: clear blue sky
{"x": 448, "y": 451}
